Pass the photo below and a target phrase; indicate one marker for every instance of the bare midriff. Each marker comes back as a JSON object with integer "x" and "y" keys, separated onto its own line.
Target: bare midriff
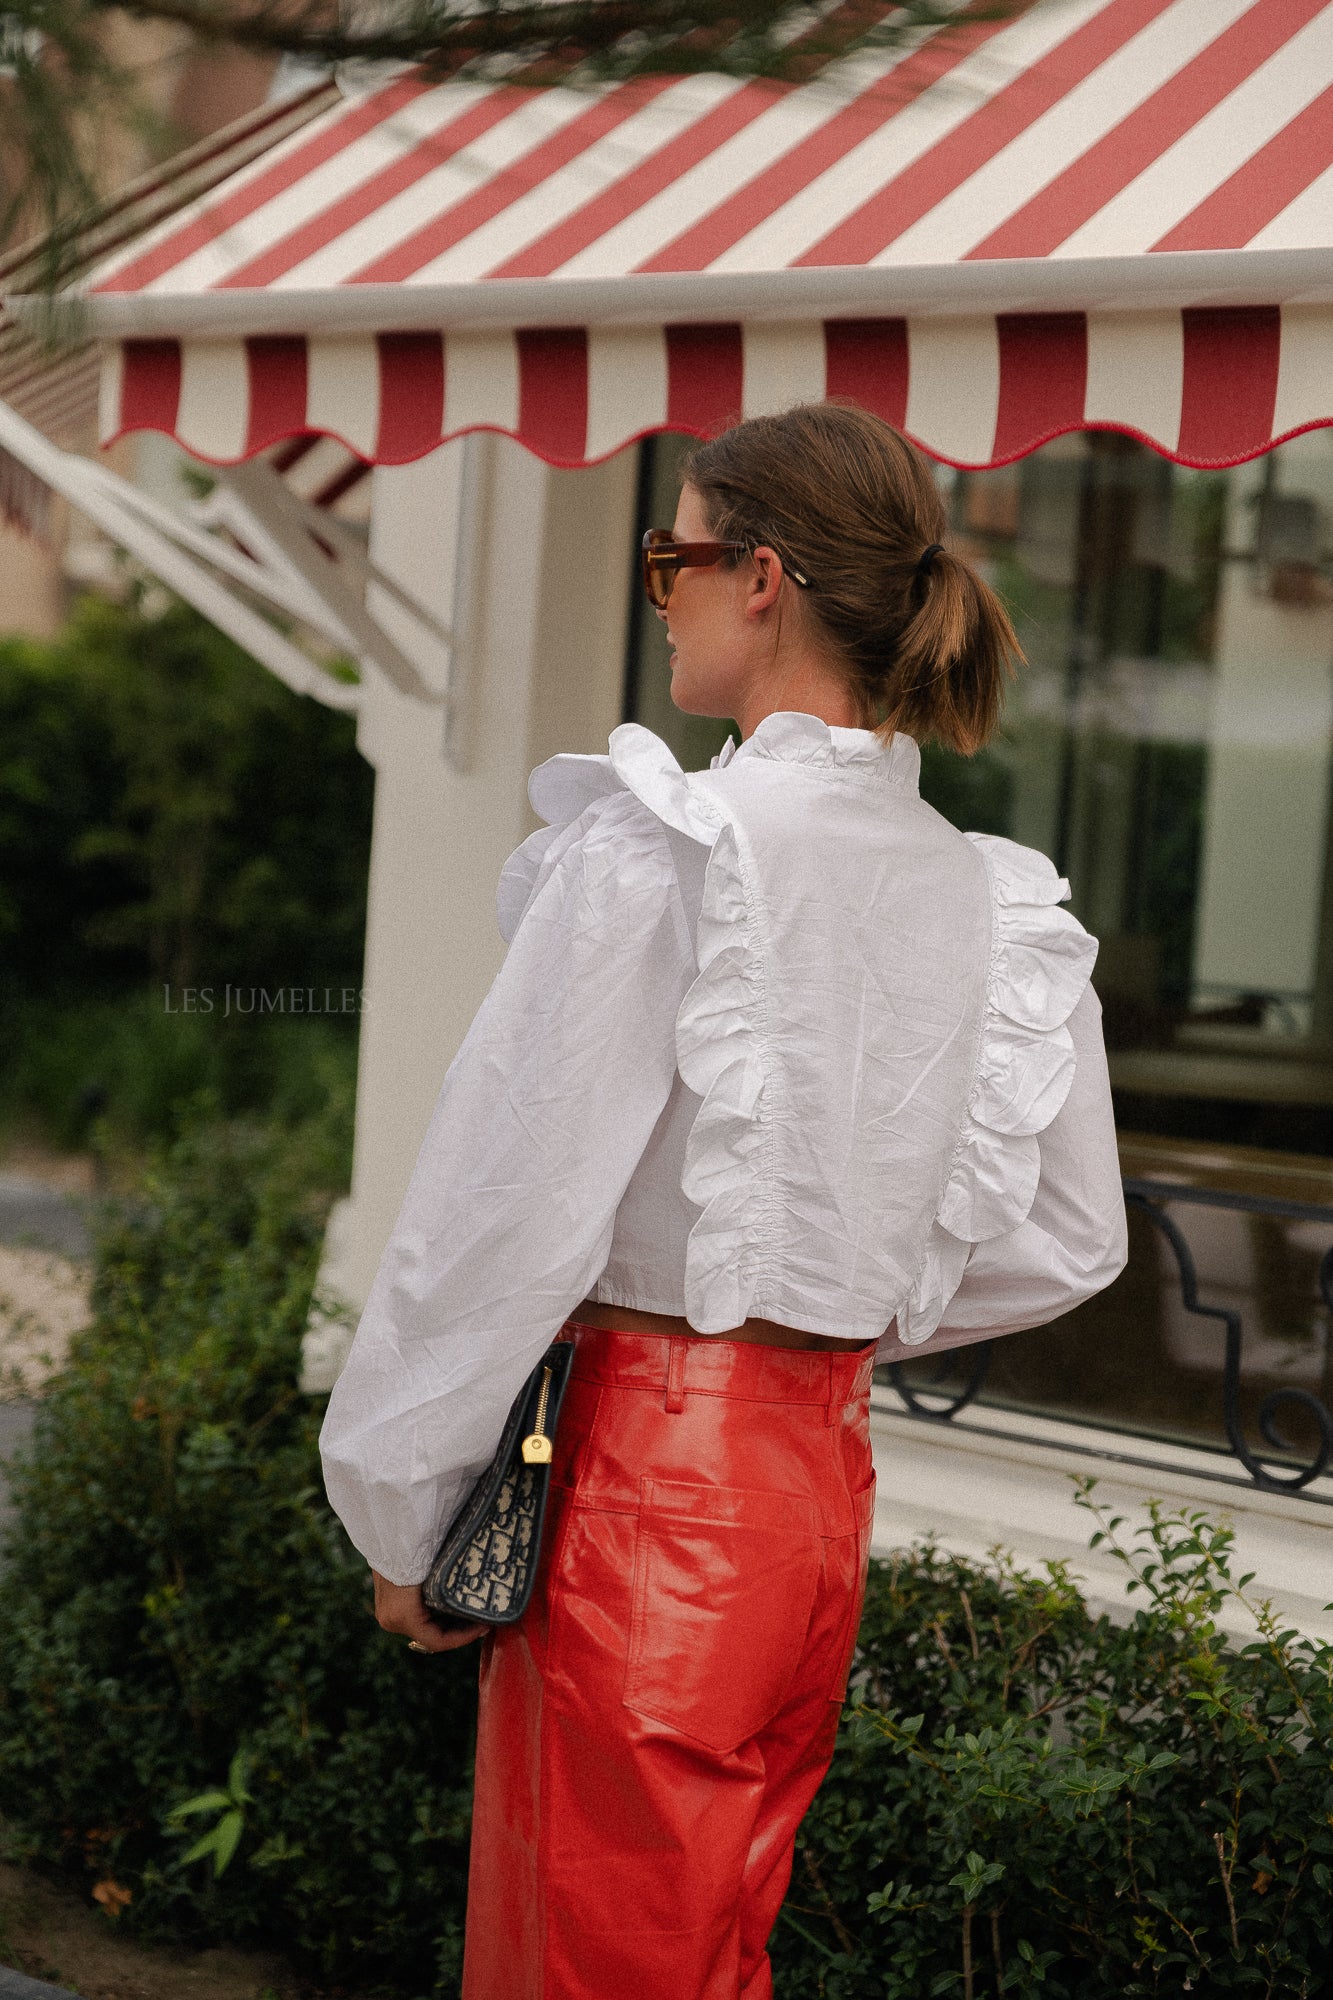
{"x": 758, "y": 1332}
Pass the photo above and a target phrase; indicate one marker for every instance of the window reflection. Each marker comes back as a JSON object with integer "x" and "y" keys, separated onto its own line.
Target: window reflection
{"x": 1168, "y": 746}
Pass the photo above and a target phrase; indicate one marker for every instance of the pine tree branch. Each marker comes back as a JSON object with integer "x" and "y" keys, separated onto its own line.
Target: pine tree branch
{"x": 62, "y": 90}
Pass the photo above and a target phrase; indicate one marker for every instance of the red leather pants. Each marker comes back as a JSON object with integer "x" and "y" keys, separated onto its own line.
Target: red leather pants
{"x": 653, "y": 1731}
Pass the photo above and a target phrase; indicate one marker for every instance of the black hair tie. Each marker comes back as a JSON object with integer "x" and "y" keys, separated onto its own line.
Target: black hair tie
{"x": 925, "y": 561}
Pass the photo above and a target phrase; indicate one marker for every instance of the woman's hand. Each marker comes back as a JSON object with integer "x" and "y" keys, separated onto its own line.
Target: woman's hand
{"x": 399, "y": 1608}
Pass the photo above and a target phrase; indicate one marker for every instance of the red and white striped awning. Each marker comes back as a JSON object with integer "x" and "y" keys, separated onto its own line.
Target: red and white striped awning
{"x": 1094, "y": 213}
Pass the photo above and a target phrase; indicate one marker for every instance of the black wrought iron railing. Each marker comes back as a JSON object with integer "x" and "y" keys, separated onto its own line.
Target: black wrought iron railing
{"x": 1287, "y": 1466}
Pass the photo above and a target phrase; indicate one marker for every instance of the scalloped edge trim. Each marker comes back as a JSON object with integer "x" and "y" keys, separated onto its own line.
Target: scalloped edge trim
{"x": 719, "y": 1052}
{"x": 1041, "y": 961}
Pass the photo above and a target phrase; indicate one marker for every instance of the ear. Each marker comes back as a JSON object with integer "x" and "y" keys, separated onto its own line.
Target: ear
{"x": 766, "y": 582}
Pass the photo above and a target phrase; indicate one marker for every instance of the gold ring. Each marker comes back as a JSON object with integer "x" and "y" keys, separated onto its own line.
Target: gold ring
{"x": 415, "y": 1646}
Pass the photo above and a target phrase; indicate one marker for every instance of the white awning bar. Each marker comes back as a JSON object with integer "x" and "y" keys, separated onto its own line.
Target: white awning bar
{"x": 1176, "y": 279}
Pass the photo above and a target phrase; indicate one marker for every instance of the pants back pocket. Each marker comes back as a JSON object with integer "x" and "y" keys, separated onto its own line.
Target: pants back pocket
{"x": 724, "y": 1585}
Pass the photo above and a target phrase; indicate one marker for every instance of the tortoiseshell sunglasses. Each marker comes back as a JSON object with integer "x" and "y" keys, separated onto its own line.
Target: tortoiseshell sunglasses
{"x": 664, "y": 557}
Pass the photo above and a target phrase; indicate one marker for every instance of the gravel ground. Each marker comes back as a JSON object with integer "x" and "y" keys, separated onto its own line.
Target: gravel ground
{"x": 43, "y": 1300}
{"x": 48, "y": 1932}
{"x": 44, "y": 1250}
{"x": 37, "y": 1210}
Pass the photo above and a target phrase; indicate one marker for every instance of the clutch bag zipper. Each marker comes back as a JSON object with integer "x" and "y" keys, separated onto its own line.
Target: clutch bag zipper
{"x": 537, "y": 1446}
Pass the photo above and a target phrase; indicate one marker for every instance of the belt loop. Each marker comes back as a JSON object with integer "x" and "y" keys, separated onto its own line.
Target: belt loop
{"x": 833, "y": 1408}
{"x": 675, "y": 1391}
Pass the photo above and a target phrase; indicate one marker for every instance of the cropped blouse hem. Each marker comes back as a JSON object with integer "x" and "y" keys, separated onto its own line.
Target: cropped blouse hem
{"x": 796, "y": 1322}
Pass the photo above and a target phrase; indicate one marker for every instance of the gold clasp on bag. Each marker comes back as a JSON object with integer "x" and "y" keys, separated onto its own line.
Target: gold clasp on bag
{"x": 537, "y": 1447}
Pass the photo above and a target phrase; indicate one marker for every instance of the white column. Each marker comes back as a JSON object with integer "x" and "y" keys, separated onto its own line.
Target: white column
{"x": 544, "y": 671}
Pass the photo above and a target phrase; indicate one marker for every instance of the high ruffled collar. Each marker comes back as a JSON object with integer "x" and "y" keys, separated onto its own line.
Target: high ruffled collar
{"x": 793, "y": 737}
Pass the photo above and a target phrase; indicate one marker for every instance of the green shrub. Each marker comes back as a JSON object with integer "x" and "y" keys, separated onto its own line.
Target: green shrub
{"x": 1029, "y": 1801}
{"x": 170, "y": 811}
{"x": 171, "y": 817}
{"x": 178, "y": 1589}
{"x": 1026, "y": 1800}
{"x": 125, "y": 1061}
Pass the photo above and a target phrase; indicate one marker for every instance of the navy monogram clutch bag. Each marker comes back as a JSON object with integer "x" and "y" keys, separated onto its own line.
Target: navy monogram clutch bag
{"x": 486, "y": 1565}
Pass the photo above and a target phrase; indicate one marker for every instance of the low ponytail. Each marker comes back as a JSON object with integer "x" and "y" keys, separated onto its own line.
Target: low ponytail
{"x": 847, "y": 501}
{"x": 952, "y": 658}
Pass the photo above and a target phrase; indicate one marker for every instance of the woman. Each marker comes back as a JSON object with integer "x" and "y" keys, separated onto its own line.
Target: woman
{"x": 781, "y": 1073}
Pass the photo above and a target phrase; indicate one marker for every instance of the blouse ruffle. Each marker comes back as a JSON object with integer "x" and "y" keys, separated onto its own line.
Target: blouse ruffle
{"x": 718, "y": 1043}
{"x": 1041, "y": 960}
{"x": 720, "y": 1052}
{"x": 564, "y": 788}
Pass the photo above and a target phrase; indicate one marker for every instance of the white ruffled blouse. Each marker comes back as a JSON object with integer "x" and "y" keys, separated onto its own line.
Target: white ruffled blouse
{"x": 771, "y": 1040}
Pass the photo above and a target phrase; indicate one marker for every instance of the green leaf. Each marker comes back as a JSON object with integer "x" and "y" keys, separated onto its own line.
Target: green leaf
{"x": 228, "y": 1831}
{"x": 201, "y": 1848}
{"x": 205, "y": 1802}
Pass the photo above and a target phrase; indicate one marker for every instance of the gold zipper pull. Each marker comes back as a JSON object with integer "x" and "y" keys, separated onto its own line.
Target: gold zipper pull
{"x": 537, "y": 1446}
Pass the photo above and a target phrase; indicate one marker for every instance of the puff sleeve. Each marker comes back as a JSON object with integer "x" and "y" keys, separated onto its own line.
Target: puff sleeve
{"x": 508, "y": 1217}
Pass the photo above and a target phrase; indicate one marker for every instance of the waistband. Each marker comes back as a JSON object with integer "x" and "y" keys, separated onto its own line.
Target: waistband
{"x": 712, "y": 1365}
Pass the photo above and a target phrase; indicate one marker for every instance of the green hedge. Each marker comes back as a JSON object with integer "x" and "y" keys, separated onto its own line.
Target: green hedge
{"x": 1025, "y": 1800}
{"x": 118, "y": 1072}
{"x": 170, "y": 811}
{"x": 171, "y": 817}
{"x": 177, "y": 1588}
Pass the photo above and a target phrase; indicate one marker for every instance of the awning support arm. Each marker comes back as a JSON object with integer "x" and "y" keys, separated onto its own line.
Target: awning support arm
{"x": 300, "y": 562}
{"x": 272, "y": 516}
{"x": 328, "y": 529}
{"x": 100, "y": 496}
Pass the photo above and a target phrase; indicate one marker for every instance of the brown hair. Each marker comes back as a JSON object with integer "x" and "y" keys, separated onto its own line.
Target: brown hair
{"x": 847, "y": 501}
